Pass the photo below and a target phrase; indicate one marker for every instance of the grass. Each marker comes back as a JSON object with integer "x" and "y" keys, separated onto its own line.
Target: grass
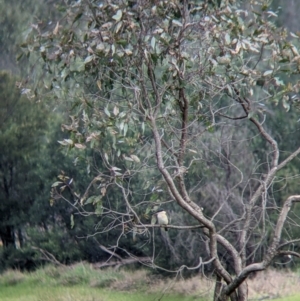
{"x": 80, "y": 283}
{"x": 77, "y": 293}
{"x": 290, "y": 298}
{"x": 272, "y": 284}
{"x": 83, "y": 283}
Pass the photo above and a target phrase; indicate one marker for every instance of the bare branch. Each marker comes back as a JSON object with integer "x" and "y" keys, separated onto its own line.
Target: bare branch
{"x": 289, "y": 253}
{"x": 48, "y": 256}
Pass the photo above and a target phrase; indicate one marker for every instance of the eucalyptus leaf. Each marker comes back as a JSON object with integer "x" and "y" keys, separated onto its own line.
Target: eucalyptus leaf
{"x": 55, "y": 184}
{"x": 77, "y": 65}
{"x": 135, "y": 158}
{"x": 268, "y": 72}
{"x": 72, "y": 221}
{"x": 99, "y": 209}
{"x": 153, "y": 219}
{"x": 106, "y": 111}
{"x": 88, "y": 59}
{"x": 177, "y": 23}
{"x": 118, "y": 15}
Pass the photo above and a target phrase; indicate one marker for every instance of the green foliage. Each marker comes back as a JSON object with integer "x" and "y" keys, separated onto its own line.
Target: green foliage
{"x": 17, "y": 17}
{"x": 29, "y": 163}
{"x": 58, "y": 242}
{"x": 98, "y": 70}
{"x": 21, "y": 136}
{"x": 21, "y": 259}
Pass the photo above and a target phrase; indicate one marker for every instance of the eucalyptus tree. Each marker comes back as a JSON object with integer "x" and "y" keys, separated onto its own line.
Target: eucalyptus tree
{"x": 169, "y": 101}
{"x": 17, "y": 16}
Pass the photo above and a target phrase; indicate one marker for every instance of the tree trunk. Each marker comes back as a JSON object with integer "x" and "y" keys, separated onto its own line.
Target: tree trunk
{"x": 218, "y": 290}
{"x": 243, "y": 292}
{"x": 7, "y": 236}
{"x": 240, "y": 294}
{"x": 21, "y": 238}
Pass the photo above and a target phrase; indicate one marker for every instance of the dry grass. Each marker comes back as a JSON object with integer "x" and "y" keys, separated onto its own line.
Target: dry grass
{"x": 268, "y": 284}
{"x": 195, "y": 286}
{"x": 11, "y": 277}
{"x": 145, "y": 281}
{"x": 274, "y": 284}
{"x": 139, "y": 280}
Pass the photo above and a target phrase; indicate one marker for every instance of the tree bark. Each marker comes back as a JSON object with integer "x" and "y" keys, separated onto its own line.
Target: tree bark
{"x": 7, "y": 236}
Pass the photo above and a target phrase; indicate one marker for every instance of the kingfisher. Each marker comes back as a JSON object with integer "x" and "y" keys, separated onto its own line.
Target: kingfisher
{"x": 162, "y": 219}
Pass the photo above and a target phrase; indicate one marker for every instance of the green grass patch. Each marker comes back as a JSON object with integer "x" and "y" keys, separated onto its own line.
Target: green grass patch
{"x": 27, "y": 292}
{"x": 290, "y": 298}
{"x": 31, "y": 291}
{"x": 79, "y": 283}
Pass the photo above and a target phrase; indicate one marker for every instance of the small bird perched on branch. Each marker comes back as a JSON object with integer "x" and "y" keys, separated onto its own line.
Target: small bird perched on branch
{"x": 162, "y": 218}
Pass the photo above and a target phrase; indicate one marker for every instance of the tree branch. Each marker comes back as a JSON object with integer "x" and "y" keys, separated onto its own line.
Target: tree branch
{"x": 272, "y": 250}
{"x": 192, "y": 208}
